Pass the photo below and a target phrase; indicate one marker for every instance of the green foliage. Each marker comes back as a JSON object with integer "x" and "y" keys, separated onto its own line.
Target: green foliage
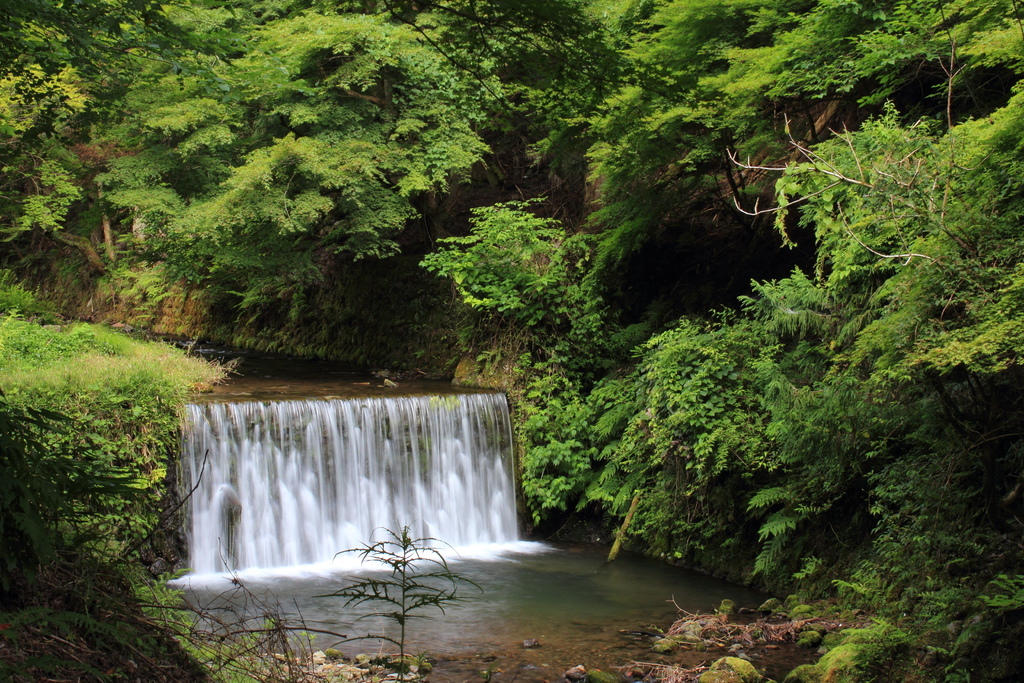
{"x": 557, "y": 465}
{"x": 852, "y": 169}
{"x": 25, "y": 342}
{"x": 120, "y": 395}
{"x": 418, "y": 578}
{"x": 43, "y": 41}
{"x": 47, "y": 495}
{"x": 511, "y": 264}
{"x": 336, "y": 126}
{"x": 15, "y": 299}
{"x": 692, "y": 438}
{"x": 87, "y": 421}
{"x": 712, "y": 82}
{"x": 1012, "y": 598}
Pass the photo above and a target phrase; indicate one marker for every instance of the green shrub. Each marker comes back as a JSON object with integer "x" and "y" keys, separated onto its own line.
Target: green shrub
{"x": 49, "y": 489}
{"x": 15, "y": 299}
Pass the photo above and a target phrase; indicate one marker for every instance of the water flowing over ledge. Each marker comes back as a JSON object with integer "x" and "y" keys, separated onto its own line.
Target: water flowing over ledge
{"x": 289, "y": 483}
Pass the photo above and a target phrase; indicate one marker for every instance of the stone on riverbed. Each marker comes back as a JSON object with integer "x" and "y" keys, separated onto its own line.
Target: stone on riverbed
{"x": 664, "y": 645}
{"x": 730, "y": 670}
{"x": 576, "y": 673}
{"x": 598, "y": 676}
{"x": 808, "y": 639}
{"x": 692, "y": 628}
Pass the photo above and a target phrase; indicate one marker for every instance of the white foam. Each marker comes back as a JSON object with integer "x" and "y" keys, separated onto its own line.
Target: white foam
{"x": 350, "y": 564}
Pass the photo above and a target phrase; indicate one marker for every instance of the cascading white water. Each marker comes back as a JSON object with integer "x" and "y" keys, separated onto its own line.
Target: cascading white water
{"x": 294, "y": 482}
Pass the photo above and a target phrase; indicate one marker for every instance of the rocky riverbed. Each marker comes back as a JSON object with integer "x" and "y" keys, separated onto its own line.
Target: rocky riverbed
{"x": 778, "y": 641}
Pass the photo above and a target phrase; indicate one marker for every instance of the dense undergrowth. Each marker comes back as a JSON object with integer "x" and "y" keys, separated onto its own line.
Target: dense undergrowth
{"x": 89, "y": 424}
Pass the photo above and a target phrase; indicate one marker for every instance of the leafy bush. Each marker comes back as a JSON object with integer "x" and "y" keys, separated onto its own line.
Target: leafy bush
{"x": 511, "y": 264}
{"x": 15, "y": 299}
{"x": 120, "y": 395}
{"x": 1012, "y": 596}
{"x": 48, "y": 494}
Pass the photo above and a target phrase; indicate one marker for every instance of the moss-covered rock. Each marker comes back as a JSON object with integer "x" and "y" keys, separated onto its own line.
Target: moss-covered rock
{"x": 687, "y": 638}
{"x": 771, "y": 605}
{"x": 839, "y": 665}
{"x": 664, "y": 645}
{"x": 472, "y": 373}
{"x": 731, "y": 670}
{"x": 802, "y": 612}
{"x": 805, "y": 673}
{"x": 831, "y": 640}
{"x": 598, "y": 676}
{"x": 727, "y": 607}
{"x": 808, "y": 639}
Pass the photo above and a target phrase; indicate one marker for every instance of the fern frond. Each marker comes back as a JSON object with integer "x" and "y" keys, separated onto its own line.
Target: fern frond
{"x": 778, "y": 525}
{"x": 770, "y": 496}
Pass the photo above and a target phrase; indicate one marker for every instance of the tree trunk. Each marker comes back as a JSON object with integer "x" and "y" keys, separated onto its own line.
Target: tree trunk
{"x": 84, "y": 246}
{"x": 108, "y": 238}
{"x": 108, "y": 233}
{"x": 622, "y": 529}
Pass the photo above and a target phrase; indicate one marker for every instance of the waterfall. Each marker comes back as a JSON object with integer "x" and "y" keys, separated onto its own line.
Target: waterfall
{"x": 286, "y": 483}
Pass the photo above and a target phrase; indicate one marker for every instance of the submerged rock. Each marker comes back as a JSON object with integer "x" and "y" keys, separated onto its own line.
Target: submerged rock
{"x": 598, "y": 676}
{"x": 576, "y": 673}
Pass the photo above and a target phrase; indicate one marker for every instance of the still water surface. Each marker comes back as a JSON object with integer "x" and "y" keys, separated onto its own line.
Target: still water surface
{"x": 565, "y": 596}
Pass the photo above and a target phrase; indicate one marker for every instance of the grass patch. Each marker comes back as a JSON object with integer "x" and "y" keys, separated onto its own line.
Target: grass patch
{"x": 90, "y": 358}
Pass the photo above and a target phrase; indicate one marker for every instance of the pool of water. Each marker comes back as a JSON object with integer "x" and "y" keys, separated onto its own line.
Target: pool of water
{"x": 580, "y": 608}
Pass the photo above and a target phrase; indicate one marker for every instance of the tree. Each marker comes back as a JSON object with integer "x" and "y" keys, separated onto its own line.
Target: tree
{"x": 418, "y": 578}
